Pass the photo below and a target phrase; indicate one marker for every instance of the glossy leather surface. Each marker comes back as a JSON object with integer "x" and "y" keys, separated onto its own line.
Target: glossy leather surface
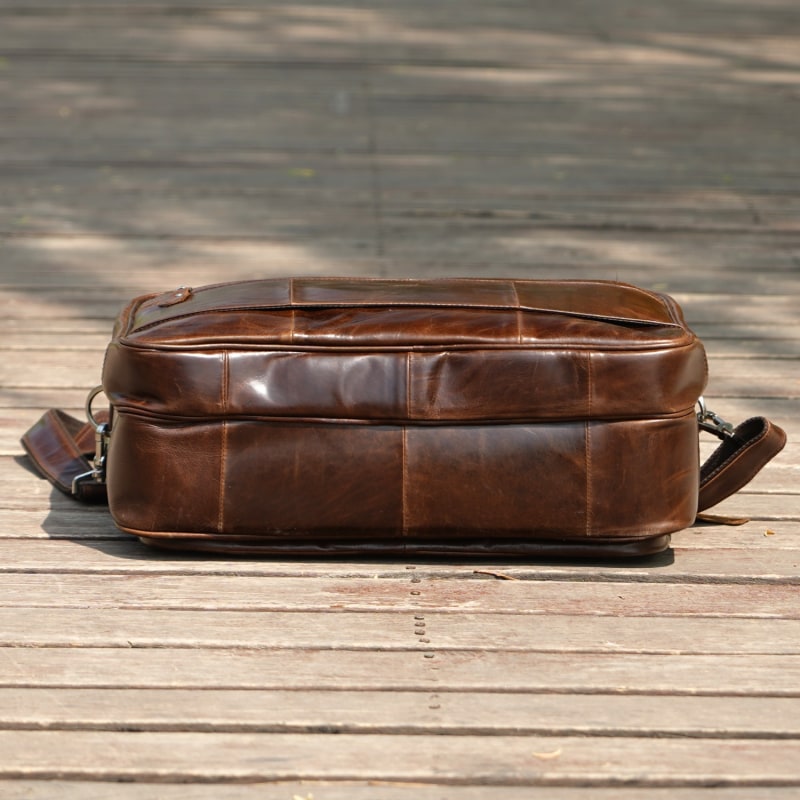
{"x": 591, "y": 350}
{"x": 405, "y": 415}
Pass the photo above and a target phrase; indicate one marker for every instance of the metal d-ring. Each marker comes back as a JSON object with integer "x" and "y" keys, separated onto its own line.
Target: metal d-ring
{"x": 89, "y": 400}
{"x": 101, "y": 434}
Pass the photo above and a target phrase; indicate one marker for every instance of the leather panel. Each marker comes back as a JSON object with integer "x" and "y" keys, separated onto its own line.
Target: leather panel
{"x": 449, "y": 292}
{"x": 164, "y": 476}
{"x": 644, "y": 476}
{"x": 520, "y": 311}
{"x": 154, "y": 309}
{"x": 512, "y": 480}
{"x": 631, "y": 384}
{"x": 560, "y": 480}
{"x": 475, "y": 385}
{"x": 324, "y": 385}
{"x": 179, "y": 384}
{"x": 603, "y": 299}
{"x": 498, "y": 385}
{"x": 403, "y": 327}
{"x": 343, "y": 481}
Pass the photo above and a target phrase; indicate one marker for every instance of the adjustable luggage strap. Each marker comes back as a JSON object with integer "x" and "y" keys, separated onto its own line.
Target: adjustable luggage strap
{"x": 71, "y": 454}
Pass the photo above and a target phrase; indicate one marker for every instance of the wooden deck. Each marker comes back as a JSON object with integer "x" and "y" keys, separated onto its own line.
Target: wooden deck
{"x": 151, "y": 143}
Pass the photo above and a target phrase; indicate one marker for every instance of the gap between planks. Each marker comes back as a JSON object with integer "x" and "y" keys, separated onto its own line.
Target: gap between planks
{"x": 450, "y": 713}
{"x": 486, "y": 760}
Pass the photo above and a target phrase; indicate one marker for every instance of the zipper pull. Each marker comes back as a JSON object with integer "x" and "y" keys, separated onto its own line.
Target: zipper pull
{"x": 180, "y": 295}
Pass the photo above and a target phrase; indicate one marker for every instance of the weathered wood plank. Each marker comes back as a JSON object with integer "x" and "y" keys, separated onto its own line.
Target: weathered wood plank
{"x": 521, "y": 250}
{"x": 715, "y": 565}
{"x": 290, "y": 192}
{"x": 120, "y": 215}
{"x": 314, "y": 215}
{"x": 443, "y": 595}
{"x": 133, "y": 266}
{"x": 62, "y": 521}
{"x": 416, "y": 139}
{"x": 347, "y": 790}
{"x": 137, "y": 264}
{"x": 503, "y": 15}
{"x": 503, "y": 760}
{"x": 108, "y": 272}
{"x": 370, "y": 712}
{"x": 395, "y": 630}
{"x": 783, "y": 505}
{"x": 748, "y": 675}
{"x": 18, "y": 369}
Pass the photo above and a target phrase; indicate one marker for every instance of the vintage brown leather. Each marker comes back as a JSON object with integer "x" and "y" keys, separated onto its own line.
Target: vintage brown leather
{"x": 319, "y": 415}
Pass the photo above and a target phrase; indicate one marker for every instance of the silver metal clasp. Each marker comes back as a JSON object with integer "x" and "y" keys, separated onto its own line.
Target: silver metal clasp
{"x": 102, "y": 432}
{"x": 713, "y": 423}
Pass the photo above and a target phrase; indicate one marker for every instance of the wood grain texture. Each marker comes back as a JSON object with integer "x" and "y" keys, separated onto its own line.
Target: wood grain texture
{"x": 147, "y": 145}
{"x": 362, "y": 631}
{"x": 367, "y": 790}
{"x": 399, "y": 712}
{"x": 106, "y": 553}
{"x": 490, "y": 761}
{"x": 388, "y": 671}
{"x": 455, "y": 594}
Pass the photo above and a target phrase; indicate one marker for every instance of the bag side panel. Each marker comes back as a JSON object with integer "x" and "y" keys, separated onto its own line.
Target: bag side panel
{"x": 340, "y": 481}
{"x": 476, "y": 385}
{"x": 643, "y": 476}
{"x": 510, "y": 480}
{"x": 381, "y": 485}
{"x": 164, "y": 476}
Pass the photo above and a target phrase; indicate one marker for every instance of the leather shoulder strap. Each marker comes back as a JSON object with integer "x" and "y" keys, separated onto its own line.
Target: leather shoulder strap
{"x": 60, "y": 447}
{"x": 738, "y": 459}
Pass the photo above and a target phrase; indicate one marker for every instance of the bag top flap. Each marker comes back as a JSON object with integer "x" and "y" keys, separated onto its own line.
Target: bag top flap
{"x": 185, "y": 314}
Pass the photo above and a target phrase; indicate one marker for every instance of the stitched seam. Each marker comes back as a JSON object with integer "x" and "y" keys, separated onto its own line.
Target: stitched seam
{"x": 404, "y": 483}
{"x": 224, "y": 444}
{"x": 408, "y": 385}
{"x": 518, "y": 312}
{"x": 588, "y": 440}
{"x": 734, "y": 457}
{"x": 589, "y": 384}
{"x": 293, "y": 316}
{"x": 403, "y": 453}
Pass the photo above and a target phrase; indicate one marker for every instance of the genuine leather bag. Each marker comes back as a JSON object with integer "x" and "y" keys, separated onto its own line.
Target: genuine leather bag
{"x": 318, "y": 415}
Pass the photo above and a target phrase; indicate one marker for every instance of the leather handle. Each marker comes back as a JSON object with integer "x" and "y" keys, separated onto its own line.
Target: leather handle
{"x": 60, "y": 447}
{"x": 739, "y": 459}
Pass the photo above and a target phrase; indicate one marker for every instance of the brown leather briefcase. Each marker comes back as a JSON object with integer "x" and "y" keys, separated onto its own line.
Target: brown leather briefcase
{"x": 320, "y": 415}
